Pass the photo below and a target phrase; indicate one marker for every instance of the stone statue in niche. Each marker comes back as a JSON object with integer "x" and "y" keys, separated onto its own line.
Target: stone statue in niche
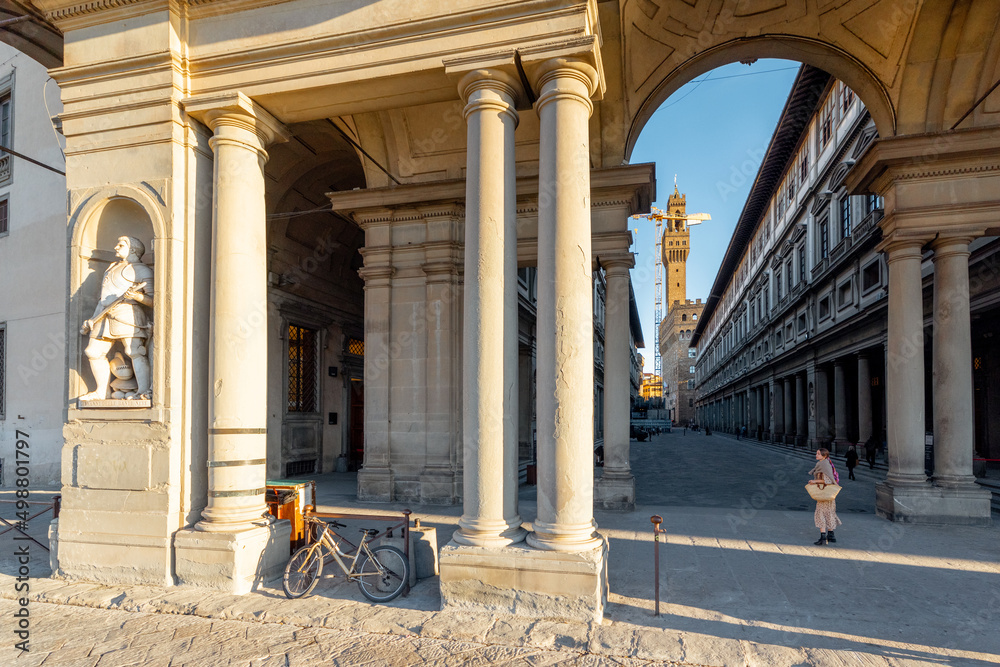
{"x": 121, "y": 317}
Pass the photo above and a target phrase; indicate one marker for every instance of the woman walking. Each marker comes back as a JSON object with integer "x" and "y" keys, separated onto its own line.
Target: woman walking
{"x": 826, "y": 510}
{"x": 852, "y": 461}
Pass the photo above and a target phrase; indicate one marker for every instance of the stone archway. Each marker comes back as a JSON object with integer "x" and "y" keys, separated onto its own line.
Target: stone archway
{"x": 843, "y": 66}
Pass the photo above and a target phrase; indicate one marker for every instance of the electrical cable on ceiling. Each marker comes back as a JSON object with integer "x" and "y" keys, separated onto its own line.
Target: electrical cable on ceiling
{"x": 52, "y": 123}
{"x": 363, "y": 152}
{"x": 708, "y": 76}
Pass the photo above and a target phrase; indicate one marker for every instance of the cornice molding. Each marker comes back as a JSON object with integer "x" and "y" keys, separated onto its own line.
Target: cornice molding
{"x": 952, "y": 153}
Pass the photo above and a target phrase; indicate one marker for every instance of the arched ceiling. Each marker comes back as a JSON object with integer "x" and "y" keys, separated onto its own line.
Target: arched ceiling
{"x": 919, "y": 66}
{"x": 34, "y": 37}
{"x": 317, "y": 159}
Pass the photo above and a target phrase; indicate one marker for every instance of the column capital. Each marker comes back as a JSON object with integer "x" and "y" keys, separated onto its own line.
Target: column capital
{"x": 902, "y": 246}
{"x": 617, "y": 264}
{"x": 951, "y": 245}
{"x": 579, "y": 57}
{"x": 234, "y": 109}
{"x": 492, "y": 71}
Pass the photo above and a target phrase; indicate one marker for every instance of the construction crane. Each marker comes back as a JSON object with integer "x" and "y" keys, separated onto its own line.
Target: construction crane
{"x": 658, "y": 216}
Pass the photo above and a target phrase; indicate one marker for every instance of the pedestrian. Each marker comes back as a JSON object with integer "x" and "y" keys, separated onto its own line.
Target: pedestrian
{"x": 599, "y": 456}
{"x": 739, "y": 432}
{"x": 852, "y": 460}
{"x": 871, "y": 446}
{"x": 826, "y": 518}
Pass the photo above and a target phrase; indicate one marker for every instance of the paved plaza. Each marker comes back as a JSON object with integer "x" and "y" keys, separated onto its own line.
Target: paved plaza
{"x": 741, "y": 584}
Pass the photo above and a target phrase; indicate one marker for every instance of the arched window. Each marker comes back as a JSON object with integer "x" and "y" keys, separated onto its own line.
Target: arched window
{"x": 684, "y": 318}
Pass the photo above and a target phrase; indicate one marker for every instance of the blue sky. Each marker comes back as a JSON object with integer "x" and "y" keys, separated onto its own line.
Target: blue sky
{"x": 712, "y": 133}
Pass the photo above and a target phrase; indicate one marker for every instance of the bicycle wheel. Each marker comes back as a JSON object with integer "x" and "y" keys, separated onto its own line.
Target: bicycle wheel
{"x": 302, "y": 571}
{"x": 383, "y": 574}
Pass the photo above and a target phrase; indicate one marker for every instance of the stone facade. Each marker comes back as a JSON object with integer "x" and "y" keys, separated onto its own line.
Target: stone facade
{"x": 32, "y": 271}
{"x": 799, "y": 348}
{"x": 678, "y": 357}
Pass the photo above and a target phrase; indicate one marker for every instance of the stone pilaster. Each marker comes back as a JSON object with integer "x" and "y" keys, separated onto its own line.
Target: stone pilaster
{"x": 375, "y": 479}
{"x": 441, "y": 273}
{"x": 236, "y": 546}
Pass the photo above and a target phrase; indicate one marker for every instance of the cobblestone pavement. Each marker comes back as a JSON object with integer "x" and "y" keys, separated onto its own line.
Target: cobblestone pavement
{"x": 71, "y": 636}
{"x": 741, "y": 584}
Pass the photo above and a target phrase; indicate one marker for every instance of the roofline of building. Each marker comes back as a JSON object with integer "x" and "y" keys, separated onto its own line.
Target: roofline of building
{"x": 802, "y": 103}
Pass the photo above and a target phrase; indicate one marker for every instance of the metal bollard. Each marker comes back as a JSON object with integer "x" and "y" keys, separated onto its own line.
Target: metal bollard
{"x": 657, "y": 520}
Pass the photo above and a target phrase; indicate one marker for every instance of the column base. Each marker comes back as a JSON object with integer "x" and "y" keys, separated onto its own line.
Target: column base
{"x": 236, "y": 562}
{"x": 437, "y": 487}
{"x": 526, "y": 582}
{"x": 615, "y": 493}
{"x": 839, "y": 445}
{"x": 375, "y": 485}
{"x": 925, "y": 503}
{"x": 489, "y": 534}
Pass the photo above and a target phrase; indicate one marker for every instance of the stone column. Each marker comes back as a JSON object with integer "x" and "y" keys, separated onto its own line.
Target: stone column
{"x": 780, "y": 421}
{"x": 565, "y": 321}
{"x": 489, "y": 356}
{"x": 905, "y": 364}
{"x": 865, "y": 428}
{"x": 758, "y": 408}
{"x": 839, "y": 406}
{"x": 616, "y": 487}
{"x": 821, "y": 400}
{"x": 768, "y": 410}
{"x": 954, "y": 439}
{"x": 961, "y": 499}
{"x": 801, "y": 410}
{"x": 236, "y": 546}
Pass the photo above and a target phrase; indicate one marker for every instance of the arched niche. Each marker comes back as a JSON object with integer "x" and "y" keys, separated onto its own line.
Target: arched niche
{"x": 99, "y": 219}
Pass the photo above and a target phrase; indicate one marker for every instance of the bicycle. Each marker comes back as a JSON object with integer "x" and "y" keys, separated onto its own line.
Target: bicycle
{"x": 381, "y": 572}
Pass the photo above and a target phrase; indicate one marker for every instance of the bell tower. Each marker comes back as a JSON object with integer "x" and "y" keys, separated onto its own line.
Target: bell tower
{"x": 676, "y": 244}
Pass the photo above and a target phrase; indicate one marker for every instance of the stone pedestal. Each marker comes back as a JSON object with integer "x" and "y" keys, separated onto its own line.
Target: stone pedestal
{"x": 526, "y": 582}
{"x": 924, "y": 503}
{"x": 237, "y": 562}
{"x": 615, "y": 492}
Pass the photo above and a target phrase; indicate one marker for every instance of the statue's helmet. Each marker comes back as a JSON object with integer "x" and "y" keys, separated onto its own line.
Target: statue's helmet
{"x": 120, "y": 367}
{"x": 135, "y": 245}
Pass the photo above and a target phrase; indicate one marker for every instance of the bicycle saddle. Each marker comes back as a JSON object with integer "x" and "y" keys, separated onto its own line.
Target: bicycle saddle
{"x": 370, "y": 532}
